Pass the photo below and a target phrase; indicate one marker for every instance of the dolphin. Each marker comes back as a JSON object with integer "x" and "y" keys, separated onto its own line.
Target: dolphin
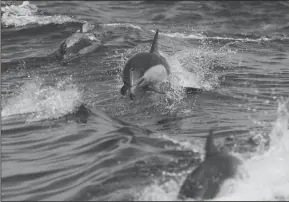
{"x": 145, "y": 71}
{"x": 80, "y": 43}
{"x": 205, "y": 181}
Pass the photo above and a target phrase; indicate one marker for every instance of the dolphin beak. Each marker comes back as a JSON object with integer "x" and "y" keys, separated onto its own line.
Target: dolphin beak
{"x": 134, "y": 85}
{"x": 132, "y": 92}
{"x": 132, "y": 96}
{"x": 132, "y": 88}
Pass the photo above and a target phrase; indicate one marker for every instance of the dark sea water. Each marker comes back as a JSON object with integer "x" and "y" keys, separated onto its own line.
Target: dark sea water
{"x": 68, "y": 134}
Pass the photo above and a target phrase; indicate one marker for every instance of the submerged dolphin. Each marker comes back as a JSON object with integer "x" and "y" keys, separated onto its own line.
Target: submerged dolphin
{"x": 206, "y": 180}
{"x": 80, "y": 43}
{"x": 145, "y": 70}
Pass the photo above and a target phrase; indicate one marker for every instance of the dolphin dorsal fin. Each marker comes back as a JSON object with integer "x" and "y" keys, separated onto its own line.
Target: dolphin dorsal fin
{"x": 154, "y": 47}
{"x": 211, "y": 148}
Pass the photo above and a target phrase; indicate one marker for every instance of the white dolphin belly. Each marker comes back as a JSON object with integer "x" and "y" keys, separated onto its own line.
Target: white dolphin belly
{"x": 154, "y": 75}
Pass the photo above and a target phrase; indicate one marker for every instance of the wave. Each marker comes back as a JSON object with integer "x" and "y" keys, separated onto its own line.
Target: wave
{"x": 221, "y": 38}
{"x": 109, "y": 141}
{"x": 199, "y": 36}
{"x": 41, "y": 102}
{"x": 268, "y": 183}
{"x": 100, "y": 152}
{"x": 27, "y": 14}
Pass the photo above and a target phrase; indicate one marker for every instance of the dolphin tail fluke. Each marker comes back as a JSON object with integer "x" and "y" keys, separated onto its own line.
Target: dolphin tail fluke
{"x": 211, "y": 148}
{"x": 154, "y": 47}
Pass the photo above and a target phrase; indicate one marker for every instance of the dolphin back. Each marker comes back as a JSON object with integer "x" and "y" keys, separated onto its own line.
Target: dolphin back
{"x": 154, "y": 47}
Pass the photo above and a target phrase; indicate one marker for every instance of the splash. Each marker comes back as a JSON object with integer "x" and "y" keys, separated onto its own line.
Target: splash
{"x": 268, "y": 171}
{"x": 27, "y": 13}
{"x": 25, "y": 9}
{"x": 191, "y": 67}
{"x": 43, "y": 102}
{"x": 167, "y": 191}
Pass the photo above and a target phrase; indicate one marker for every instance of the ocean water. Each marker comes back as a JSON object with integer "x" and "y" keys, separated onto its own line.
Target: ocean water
{"x": 68, "y": 134}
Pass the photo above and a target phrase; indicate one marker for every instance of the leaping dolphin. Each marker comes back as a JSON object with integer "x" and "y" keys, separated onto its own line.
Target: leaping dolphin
{"x": 145, "y": 70}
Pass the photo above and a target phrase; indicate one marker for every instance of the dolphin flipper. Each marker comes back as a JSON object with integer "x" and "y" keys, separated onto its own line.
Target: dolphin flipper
{"x": 143, "y": 83}
{"x": 156, "y": 89}
{"x": 140, "y": 83}
{"x": 154, "y": 47}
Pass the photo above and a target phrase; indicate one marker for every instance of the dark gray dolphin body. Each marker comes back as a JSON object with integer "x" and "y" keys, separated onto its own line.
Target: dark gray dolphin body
{"x": 145, "y": 70}
{"x": 206, "y": 180}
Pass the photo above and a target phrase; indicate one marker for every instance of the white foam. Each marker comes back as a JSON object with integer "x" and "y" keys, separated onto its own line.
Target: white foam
{"x": 43, "y": 102}
{"x": 26, "y": 13}
{"x": 25, "y": 9}
{"x": 123, "y": 25}
{"x": 204, "y": 37}
{"x": 191, "y": 67}
{"x": 268, "y": 170}
{"x": 159, "y": 192}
